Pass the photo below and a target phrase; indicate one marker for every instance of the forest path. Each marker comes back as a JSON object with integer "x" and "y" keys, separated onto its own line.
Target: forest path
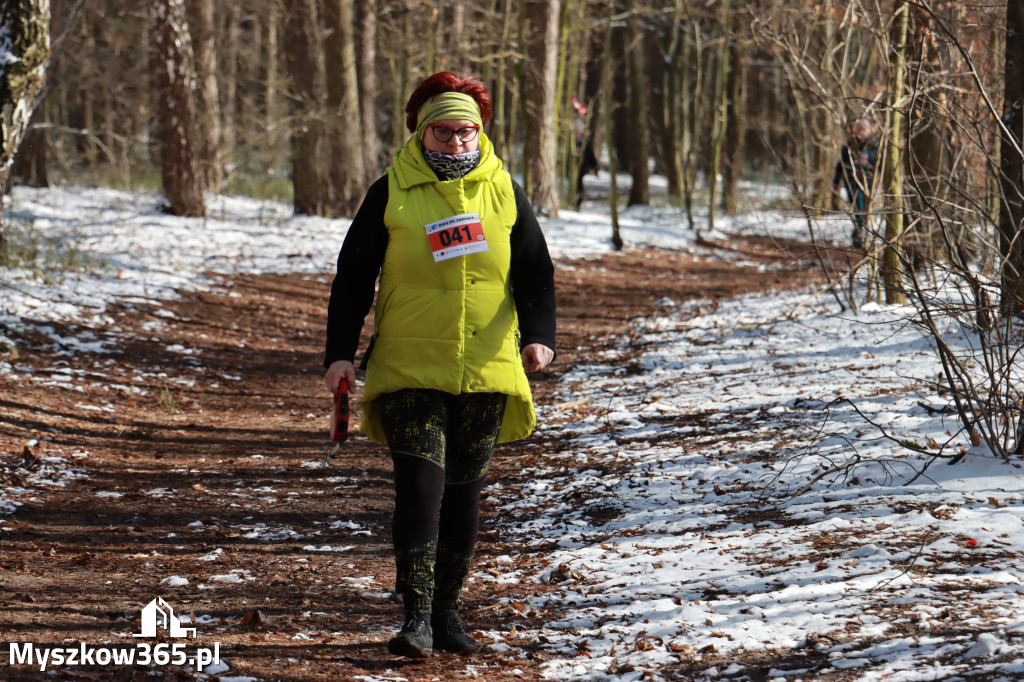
{"x": 189, "y": 467}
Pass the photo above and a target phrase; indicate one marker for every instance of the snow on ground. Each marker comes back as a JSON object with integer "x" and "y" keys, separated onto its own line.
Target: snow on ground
{"x": 689, "y": 510}
{"x": 685, "y": 517}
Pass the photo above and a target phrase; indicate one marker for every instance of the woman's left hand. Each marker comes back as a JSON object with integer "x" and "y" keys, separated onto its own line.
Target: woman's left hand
{"x": 536, "y": 356}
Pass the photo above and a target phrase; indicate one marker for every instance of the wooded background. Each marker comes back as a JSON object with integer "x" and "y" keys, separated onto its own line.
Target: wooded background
{"x": 303, "y": 99}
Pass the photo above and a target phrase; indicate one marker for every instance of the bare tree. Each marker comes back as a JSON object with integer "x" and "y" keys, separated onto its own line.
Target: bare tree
{"x": 1011, "y": 166}
{"x": 25, "y": 52}
{"x": 228, "y": 88}
{"x": 310, "y": 166}
{"x": 203, "y": 28}
{"x": 543, "y": 154}
{"x": 732, "y": 146}
{"x": 675, "y": 54}
{"x": 344, "y": 119}
{"x": 176, "y": 109}
{"x": 30, "y": 162}
{"x": 892, "y": 268}
{"x": 721, "y": 110}
{"x": 366, "y": 58}
{"x": 24, "y": 55}
{"x": 639, "y": 129}
{"x": 606, "y": 107}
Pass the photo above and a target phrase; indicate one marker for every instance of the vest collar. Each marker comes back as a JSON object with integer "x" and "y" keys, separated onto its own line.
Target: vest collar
{"x": 412, "y": 169}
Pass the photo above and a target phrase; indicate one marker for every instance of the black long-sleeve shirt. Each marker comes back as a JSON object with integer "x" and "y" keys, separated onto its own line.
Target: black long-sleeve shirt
{"x": 362, "y": 255}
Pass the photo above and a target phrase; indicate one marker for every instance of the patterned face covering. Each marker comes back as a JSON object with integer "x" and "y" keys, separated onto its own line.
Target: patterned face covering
{"x": 451, "y": 166}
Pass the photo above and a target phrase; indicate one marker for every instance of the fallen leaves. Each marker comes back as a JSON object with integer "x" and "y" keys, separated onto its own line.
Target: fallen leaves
{"x": 254, "y": 620}
{"x": 564, "y": 573}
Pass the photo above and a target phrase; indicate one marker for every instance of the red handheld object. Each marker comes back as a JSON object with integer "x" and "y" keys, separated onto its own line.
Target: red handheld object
{"x": 339, "y": 416}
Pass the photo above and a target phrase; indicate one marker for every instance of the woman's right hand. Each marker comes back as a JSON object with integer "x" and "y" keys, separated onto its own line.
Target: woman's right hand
{"x": 340, "y": 369}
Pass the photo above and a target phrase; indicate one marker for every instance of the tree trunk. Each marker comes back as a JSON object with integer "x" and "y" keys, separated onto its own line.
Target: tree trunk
{"x": 689, "y": 121}
{"x": 892, "y": 269}
{"x": 344, "y": 119}
{"x": 271, "y": 56}
{"x": 732, "y": 152}
{"x": 366, "y": 31}
{"x": 229, "y": 88}
{"x": 30, "y": 161}
{"x": 203, "y": 28}
{"x": 569, "y": 79}
{"x": 308, "y": 94}
{"x": 721, "y": 97}
{"x": 522, "y": 99}
{"x": 458, "y": 63}
{"x": 993, "y": 179}
{"x": 607, "y": 102}
{"x": 400, "y": 71}
{"x": 176, "y": 74}
{"x": 933, "y": 145}
{"x": 504, "y": 110}
{"x": 1011, "y": 164}
{"x": 26, "y": 38}
{"x": 543, "y": 189}
{"x": 639, "y": 126}
{"x": 676, "y": 57}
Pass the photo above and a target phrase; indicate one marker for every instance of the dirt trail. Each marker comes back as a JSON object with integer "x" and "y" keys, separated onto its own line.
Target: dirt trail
{"x": 200, "y": 443}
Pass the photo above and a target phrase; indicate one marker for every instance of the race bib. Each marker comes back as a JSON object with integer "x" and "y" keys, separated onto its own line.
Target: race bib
{"x": 457, "y": 236}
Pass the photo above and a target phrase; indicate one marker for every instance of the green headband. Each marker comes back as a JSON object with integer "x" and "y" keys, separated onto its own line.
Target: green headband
{"x": 454, "y": 105}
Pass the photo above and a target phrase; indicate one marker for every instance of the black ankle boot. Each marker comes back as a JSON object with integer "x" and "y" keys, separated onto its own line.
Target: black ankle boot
{"x": 449, "y": 635}
{"x": 415, "y": 640}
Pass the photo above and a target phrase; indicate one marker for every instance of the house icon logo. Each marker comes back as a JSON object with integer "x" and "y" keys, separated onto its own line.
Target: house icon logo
{"x": 156, "y": 614}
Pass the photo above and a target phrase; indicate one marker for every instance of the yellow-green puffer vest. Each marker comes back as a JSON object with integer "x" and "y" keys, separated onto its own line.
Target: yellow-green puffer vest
{"x": 449, "y": 325}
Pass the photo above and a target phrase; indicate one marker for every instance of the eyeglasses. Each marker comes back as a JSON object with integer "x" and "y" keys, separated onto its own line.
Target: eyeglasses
{"x": 444, "y": 133}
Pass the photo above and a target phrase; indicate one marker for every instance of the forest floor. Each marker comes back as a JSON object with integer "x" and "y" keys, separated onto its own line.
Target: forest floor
{"x": 205, "y": 486}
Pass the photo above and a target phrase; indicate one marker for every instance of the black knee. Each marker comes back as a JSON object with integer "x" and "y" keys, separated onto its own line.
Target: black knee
{"x": 419, "y": 487}
{"x": 460, "y": 514}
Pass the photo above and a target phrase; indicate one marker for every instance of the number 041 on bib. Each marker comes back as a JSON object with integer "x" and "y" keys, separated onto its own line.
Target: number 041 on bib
{"x": 457, "y": 236}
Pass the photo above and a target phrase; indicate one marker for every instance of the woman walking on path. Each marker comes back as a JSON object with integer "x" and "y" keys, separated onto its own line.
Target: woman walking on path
{"x": 465, "y": 308}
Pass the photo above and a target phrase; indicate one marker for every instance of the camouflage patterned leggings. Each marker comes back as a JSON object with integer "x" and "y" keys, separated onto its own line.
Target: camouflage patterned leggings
{"x": 441, "y": 446}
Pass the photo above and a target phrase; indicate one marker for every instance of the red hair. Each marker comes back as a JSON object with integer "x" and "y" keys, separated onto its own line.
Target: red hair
{"x": 447, "y": 82}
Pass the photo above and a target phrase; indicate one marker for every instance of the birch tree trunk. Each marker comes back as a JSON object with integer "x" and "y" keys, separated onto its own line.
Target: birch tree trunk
{"x": 543, "y": 190}
{"x": 25, "y": 48}
{"x": 183, "y": 185}
{"x": 1011, "y": 163}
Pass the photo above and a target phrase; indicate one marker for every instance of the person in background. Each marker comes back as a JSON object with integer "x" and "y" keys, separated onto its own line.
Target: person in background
{"x": 465, "y": 308}
{"x": 586, "y": 160}
{"x": 855, "y": 171}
